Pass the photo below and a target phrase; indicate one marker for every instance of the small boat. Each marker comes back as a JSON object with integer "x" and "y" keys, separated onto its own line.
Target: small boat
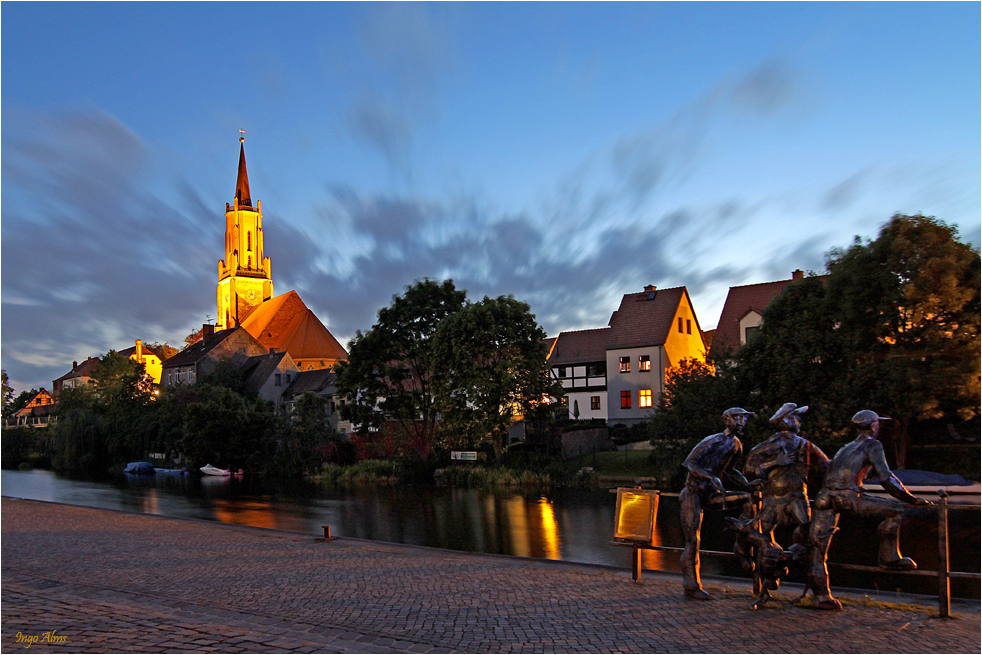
{"x": 139, "y": 468}
{"x": 208, "y": 469}
{"x": 160, "y": 471}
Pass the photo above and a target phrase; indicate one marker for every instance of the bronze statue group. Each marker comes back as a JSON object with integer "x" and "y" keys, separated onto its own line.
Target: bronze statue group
{"x": 779, "y": 469}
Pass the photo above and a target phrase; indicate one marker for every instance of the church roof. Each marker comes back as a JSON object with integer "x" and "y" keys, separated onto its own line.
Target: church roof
{"x": 285, "y": 323}
{"x": 242, "y": 181}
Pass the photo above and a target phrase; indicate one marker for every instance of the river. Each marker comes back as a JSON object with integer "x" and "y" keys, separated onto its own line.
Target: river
{"x": 573, "y": 525}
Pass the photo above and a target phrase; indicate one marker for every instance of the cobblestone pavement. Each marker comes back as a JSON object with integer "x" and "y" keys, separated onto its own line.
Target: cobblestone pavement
{"x": 101, "y": 581}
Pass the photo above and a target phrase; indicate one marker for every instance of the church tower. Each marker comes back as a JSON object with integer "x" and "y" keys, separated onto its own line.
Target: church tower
{"x": 244, "y": 280}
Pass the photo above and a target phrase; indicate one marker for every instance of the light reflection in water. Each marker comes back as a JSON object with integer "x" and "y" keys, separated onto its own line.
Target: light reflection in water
{"x": 549, "y": 529}
{"x": 518, "y": 524}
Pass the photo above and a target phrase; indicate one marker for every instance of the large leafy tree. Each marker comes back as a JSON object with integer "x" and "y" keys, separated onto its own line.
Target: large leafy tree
{"x": 490, "y": 359}
{"x": 389, "y": 371}
{"x": 893, "y": 327}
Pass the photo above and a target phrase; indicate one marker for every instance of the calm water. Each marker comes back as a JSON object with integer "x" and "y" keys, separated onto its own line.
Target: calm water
{"x": 569, "y": 525}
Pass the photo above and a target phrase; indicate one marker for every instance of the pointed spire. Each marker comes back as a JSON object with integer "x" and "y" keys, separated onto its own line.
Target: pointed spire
{"x": 242, "y": 182}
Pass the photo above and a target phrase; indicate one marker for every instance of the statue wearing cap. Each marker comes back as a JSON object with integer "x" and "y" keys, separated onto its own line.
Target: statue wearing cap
{"x": 843, "y": 491}
{"x": 714, "y": 457}
{"x": 783, "y": 463}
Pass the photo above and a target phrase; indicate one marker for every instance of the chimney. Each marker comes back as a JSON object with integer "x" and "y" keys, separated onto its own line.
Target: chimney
{"x": 649, "y": 288}
{"x": 139, "y": 350}
{"x": 74, "y": 365}
{"x": 207, "y": 330}
{"x": 797, "y": 274}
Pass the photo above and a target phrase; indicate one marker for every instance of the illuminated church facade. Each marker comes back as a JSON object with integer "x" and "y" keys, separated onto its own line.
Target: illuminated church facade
{"x": 245, "y": 289}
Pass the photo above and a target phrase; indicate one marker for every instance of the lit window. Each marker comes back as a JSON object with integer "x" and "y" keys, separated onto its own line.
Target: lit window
{"x": 625, "y": 400}
{"x": 644, "y": 398}
{"x": 644, "y": 363}
{"x": 594, "y": 402}
{"x": 688, "y": 326}
{"x": 625, "y": 364}
{"x": 680, "y": 325}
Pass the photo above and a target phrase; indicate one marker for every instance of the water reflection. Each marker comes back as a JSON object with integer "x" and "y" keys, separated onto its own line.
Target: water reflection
{"x": 571, "y": 525}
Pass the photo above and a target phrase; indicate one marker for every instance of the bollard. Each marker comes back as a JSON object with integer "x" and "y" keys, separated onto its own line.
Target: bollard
{"x": 944, "y": 582}
{"x": 327, "y": 533}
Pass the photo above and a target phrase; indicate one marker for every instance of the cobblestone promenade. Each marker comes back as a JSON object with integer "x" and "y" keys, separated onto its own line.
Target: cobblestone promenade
{"x": 83, "y": 580}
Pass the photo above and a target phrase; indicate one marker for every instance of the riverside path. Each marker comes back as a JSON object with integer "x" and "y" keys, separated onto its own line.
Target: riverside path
{"x": 79, "y": 580}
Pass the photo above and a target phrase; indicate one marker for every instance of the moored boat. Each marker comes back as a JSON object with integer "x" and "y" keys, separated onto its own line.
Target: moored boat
{"x": 208, "y": 469}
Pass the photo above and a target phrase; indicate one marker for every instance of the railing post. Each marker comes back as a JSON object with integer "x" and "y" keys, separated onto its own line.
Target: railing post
{"x": 636, "y": 563}
{"x": 944, "y": 582}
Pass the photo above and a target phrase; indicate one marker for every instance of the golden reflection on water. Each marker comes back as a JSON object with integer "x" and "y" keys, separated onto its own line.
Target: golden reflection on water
{"x": 550, "y": 528}
{"x": 255, "y": 513}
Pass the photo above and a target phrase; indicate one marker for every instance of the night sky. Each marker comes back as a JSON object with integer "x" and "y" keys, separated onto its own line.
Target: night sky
{"x": 566, "y": 154}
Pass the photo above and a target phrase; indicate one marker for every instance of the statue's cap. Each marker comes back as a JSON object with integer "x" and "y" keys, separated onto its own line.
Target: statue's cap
{"x": 865, "y": 417}
{"x": 738, "y": 411}
{"x": 786, "y": 410}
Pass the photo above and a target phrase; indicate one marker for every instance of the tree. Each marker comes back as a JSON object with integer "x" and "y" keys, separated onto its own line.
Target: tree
{"x": 223, "y": 428}
{"x": 491, "y": 368}
{"x": 310, "y": 428}
{"x": 8, "y": 391}
{"x": 909, "y": 303}
{"x": 695, "y": 397}
{"x": 389, "y": 371}
{"x": 893, "y": 327}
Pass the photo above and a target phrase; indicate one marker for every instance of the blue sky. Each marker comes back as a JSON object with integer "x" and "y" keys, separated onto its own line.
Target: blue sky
{"x": 562, "y": 153}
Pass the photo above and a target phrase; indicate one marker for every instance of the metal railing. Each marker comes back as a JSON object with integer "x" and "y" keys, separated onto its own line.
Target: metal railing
{"x": 944, "y": 574}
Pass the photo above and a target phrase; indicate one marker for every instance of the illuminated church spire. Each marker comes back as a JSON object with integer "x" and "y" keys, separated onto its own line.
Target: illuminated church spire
{"x": 244, "y": 279}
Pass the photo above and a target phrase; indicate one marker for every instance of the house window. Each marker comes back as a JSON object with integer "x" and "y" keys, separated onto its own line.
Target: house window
{"x": 276, "y": 379}
{"x": 288, "y": 378}
{"x": 596, "y": 370}
{"x": 625, "y": 364}
{"x": 561, "y": 372}
{"x": 644, "y": 398}
{"x": 688, "y": 326}
{"x": 749, "y": 333}
{"x": 594, "y": 402}
{"x": 680, "y": 325}
{"x": 625, "y": 400}
{"x": 644, "y": 363}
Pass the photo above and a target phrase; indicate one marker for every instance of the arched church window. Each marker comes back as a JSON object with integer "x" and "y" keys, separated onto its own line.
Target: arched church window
{"x": 250, "y": 262}
{"x": 248, "y": 241}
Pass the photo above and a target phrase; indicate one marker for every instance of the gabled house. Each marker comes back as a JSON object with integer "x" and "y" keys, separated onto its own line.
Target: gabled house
{"x": 578, "y": 361}
{"x": 743, "y": 313}
{"x": 320, "y": 382}
{"x": 649, "y": 333}
{"x": 81, "y": 374}
{"x": 617, "y": 373}
{"x": 36, "y": 413}
{"x": 201, "y": 358}
{"x": 150, "y": 361}
{"x": 270, "y": 375}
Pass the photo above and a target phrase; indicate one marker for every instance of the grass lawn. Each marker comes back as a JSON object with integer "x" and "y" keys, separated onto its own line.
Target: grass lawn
{"x": 626, "y": 462}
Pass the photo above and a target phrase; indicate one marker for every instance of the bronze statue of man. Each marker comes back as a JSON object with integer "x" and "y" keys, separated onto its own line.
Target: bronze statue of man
{"x": 843, "y": 492}
{"x": 783, "y": 463}
{"x": 712, "y": 458}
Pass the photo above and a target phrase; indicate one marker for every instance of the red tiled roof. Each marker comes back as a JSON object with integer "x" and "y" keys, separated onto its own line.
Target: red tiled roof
{"x": 580, "y": 346}
{"x": 644, "y": 319}
{"x": 285, "y": 323}
{"x": 739, "y": 301}
{"x": 80, "y": 370}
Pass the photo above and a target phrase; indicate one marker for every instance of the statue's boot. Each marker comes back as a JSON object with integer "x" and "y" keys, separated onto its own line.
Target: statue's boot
{"x": 697, "y": 594}
{"x": 889, "y": 555}
{"x": 828, "y": 603}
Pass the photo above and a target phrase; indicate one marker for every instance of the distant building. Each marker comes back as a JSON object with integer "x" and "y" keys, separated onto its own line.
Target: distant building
{"x": 743, "y": 313}
{"x": 270, "y": 376}
{"x": 245, "y": 289}
{"x": 201, "y": 358}
{"x": 38, "y": 411}
{"x": 320, "y": 382}
{"x": 617, "y": 373}
{"x": 150, "y": 361}
{"x": 81, "y": 374}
